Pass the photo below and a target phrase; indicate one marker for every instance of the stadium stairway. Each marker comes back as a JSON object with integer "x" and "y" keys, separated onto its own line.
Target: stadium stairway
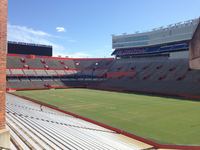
{"x": 33, "y": 126}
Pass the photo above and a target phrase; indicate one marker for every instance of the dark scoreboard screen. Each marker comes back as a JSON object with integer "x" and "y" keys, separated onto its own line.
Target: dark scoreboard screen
{"x": 29, "y": 49}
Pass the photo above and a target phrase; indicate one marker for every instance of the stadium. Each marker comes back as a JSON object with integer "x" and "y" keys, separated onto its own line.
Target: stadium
{"x": 145, "y": 97}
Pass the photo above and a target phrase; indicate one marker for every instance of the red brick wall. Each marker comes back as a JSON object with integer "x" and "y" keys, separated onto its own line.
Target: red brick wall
{"x": 3, "y": 49}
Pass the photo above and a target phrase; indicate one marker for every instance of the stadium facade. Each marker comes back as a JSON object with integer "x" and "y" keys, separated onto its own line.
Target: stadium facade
{"x": 168, "y": 40}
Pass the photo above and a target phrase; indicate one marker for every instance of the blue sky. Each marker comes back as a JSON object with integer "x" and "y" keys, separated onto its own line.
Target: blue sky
{"x": 86, "y": 25}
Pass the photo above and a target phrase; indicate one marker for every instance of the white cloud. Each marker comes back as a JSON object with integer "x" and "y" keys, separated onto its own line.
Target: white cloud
{"x": 60, "y": 29}
{"x": 79, "y": 55}
{"x": 72, "y": 54}
{"x": 15, "y": 31}
{"x": 29, "y": 35}
{"x": 25, "y": 34}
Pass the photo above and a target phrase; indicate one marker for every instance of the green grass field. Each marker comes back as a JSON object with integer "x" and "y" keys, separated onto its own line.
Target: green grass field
{"x": 165, "y": 120}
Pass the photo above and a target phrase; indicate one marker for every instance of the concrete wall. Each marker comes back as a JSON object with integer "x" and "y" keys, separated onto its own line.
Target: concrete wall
{"x": 179, "y": 55}
{"x": 194, "y": 50}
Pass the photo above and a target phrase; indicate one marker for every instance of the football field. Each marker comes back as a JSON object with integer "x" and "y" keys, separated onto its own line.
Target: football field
{"x": 164, "y": 120}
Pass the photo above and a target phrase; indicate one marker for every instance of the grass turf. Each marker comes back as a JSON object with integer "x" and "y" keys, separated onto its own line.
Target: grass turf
{"x": 165, "y": 120}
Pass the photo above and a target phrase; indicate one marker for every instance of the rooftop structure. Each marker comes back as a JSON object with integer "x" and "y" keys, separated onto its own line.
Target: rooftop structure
{"x": 181, "y": 31}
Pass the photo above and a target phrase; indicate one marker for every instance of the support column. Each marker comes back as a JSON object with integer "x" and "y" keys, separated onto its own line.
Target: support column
{"x": 194, "y": 49}
{"x": 4, "y": 133}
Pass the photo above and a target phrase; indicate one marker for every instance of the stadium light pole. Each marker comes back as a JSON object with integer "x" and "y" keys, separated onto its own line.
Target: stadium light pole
{"x": 4, "y": 133}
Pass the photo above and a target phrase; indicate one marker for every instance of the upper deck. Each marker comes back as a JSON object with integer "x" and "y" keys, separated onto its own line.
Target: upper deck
{"x": 182, "y": 31}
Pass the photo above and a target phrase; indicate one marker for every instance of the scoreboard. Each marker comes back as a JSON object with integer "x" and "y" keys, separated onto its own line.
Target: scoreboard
{"x": 29, "y": 49}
